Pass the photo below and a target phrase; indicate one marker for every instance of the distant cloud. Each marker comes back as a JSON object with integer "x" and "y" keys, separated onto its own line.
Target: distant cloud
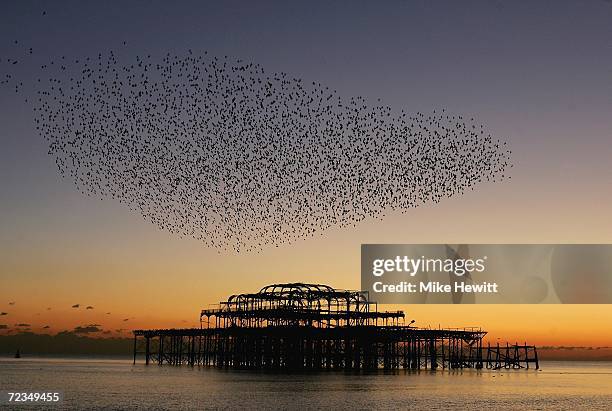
{"x": 107, "y": 313}
{"x": 12, "y": 303}
{"x": 126, "y": 319}
{"x": 3, "y": 327}
{"x": 46, "y": 326}
{"x": 89, "y": 307}
{"x": 23, "y": 325}
{"x": 48, "y": 308}
{"x": 3, "y": 313}
{"x": 93, "y": 328}
{"x": 106, "y": 332}
{"x": 76, "y": 306}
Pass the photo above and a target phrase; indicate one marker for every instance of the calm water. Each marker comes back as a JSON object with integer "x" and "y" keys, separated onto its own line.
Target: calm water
{"x": 88, "y": 384}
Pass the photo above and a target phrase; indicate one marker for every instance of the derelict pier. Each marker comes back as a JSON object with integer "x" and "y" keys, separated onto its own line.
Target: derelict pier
{"x": 315, "y": 327}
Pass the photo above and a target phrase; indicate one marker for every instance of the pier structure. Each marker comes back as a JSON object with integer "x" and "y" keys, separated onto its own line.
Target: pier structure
{"x": 315, "y": 327}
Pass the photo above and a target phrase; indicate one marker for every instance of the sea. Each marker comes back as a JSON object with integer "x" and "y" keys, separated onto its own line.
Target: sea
{"x": 107, "y": 383}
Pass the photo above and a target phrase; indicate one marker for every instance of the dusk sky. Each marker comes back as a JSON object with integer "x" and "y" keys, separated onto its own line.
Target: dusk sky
{"x": 537, "y": 74}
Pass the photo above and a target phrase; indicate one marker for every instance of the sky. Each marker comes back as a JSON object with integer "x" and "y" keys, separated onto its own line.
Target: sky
{"x": 537, "y": 74}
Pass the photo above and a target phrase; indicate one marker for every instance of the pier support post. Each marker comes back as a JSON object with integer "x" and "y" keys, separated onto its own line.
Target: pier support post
{"x": 134, "y": 349}
{"x": 147, "y": 352}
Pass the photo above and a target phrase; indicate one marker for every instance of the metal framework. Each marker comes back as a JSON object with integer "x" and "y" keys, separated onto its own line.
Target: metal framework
{"x": 313, "y": 326}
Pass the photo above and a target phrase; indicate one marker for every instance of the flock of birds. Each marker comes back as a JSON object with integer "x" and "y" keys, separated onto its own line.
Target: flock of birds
{"x": 242, "y": 159}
